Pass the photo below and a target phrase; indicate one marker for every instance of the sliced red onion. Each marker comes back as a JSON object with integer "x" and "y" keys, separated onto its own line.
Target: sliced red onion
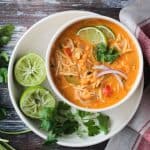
{"x": 105, "y": 68}
{"x": 119, "y": 80}
{"x": 112, "y": 72}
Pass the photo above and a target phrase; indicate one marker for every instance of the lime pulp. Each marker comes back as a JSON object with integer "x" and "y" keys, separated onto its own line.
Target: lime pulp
{"x": 34, "y": 99}
{"x": 30, "y": 70}
{"x": 93, "y": 35}
{"x": 107, "y": 31}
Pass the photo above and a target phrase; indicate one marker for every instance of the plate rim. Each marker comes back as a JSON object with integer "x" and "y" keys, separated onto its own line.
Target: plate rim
{"x": 15, "y": 105}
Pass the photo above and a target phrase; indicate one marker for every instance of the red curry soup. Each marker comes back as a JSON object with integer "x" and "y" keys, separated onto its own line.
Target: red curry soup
{"x": 94, "y": 63}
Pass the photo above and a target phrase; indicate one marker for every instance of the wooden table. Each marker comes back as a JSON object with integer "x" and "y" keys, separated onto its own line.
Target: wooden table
{"x": 24, "y": 13}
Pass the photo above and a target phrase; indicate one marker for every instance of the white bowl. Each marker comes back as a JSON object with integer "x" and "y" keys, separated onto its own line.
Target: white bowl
{"x": 48, "y": 57}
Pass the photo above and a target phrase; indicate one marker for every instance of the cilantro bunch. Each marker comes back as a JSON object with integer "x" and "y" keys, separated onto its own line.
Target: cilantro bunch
{"x": 2, "y": 113}
{"x": 64, "y": 120}
{"x": 5, "y": 36}
{"x": 105, "y": 54}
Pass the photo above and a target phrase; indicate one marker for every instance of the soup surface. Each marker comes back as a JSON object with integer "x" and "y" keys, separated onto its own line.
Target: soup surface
{"x": 94, "y": 63}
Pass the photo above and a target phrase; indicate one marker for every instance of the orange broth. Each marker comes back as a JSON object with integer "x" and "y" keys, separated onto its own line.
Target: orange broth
{"x": 127, "y": 62}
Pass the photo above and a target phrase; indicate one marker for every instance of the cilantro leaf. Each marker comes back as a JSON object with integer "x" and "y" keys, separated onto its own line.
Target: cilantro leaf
{"x": 57, "y": 128}
{"x": 83, "y": 114}
{"x": 102, "y": 47}
{"x": 104, "y": 122}
{"x": 104, "y": 54}
{"x": 4, "y": 40}
{"x": 46, "y": 117}
{"x": 63, "y": 110}
{"x": 4, "y": 56}
{"x": 63, "y": 106}
{"x": 46, "y": 113}
{"x": 70, "y": 126}
{"x": 4, "y": 59}
{"x": 93, "y": 129}
{"x": 6, "y": 30}
{"x": 63, "y": 121}
{"x": 2, "y": 113}
{"x": 51, "y": 138}
{"x": 5, "y": 34}
{"x": 112, "y": 55}
{"x": 46, "y": 125}
{"x": 3, "y": 75}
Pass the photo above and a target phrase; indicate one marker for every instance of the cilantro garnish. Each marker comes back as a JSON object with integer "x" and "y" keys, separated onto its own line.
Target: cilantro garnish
{"x": 3, "y": 75}
{"x": 2, "y": 113}
{"x": 4, "y": 56}
{"x": 64, "y": 120}
{"x": 83, "y": 113}
{"x": 104, "y": 122}
{"x": 70, "y": 126}
{"x": 5, "y": 36}
{"x": 105, "y": 54}
{"x": 93, "y": 129}
{"x": 51, "y": 138}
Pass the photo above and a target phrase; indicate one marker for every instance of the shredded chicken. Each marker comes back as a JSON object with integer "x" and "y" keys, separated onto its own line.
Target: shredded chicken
{"x": 121, "y": 44}
{"x": 65, "y": 66}
{"x": 68, "y": 43}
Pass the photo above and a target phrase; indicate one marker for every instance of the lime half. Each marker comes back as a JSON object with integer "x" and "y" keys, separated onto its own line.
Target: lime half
{"x": 30, "y": 70}
{"x": 107, "y": 31}
{"x": 93, "y": 35}
{"x": 34, "y": 99}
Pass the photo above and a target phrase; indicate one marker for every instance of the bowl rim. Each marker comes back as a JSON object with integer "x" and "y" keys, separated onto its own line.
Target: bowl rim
{"x": 49, "y": 50}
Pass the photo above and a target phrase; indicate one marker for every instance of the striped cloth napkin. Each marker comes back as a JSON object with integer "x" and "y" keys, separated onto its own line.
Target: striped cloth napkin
{"x": 136, "y": 16}
{"x": 136, "y": 136}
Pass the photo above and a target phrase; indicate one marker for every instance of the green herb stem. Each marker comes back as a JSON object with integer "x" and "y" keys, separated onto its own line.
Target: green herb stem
{"x": 15, "y": 132}
{"x": 9, "y": 147}
{"x": 4, "y": 140}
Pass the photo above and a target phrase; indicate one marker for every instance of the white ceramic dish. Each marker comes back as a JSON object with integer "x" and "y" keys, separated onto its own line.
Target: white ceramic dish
{"x": 36, "y": 40}
{"x": 48, "y": 57}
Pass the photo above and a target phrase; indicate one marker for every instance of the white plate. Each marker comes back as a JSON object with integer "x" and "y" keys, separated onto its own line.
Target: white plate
{"x": 36, "y": 40}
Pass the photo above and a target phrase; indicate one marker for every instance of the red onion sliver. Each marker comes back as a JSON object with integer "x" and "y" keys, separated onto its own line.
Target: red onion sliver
{"x": 105, "y": 68}
{"x": 119, "y": 80}
{"x": 112, "y": 72}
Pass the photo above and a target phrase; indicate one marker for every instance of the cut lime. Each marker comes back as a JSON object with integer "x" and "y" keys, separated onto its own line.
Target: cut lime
{"x": 93, "y": 35}
{"x": 30, "y": 70}
{"x": 107, "y": 31}
{"x": 34, "y": 99}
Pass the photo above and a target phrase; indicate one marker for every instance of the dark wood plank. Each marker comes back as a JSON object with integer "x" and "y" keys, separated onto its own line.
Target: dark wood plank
{"x": 26, "y": 15}
{"x": 30, "y": 141}
{"x": 73, "y": 3}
